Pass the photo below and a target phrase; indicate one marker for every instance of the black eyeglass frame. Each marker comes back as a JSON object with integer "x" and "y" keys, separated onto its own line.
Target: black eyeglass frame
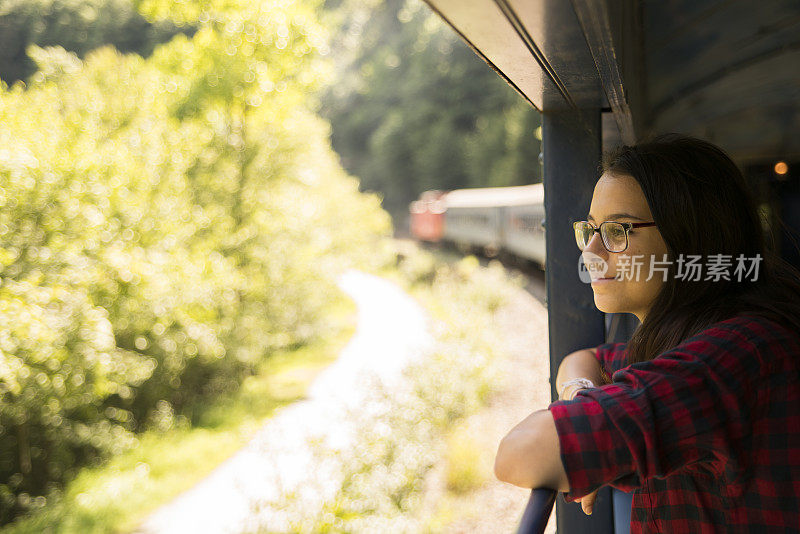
{"x": 626, "y": 226}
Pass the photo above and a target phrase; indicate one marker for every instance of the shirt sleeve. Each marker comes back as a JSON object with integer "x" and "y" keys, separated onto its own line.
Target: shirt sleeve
{"x": 688, "y": 406}
{"x": 612, "y": 357}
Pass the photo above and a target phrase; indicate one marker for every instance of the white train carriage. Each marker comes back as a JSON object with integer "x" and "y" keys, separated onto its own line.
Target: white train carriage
{"x": 523, "y": 224}
{"x": 497, "y": 218}
{"x": 472, "y": 219}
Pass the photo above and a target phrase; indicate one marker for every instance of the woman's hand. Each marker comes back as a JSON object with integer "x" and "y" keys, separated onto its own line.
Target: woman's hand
{"x": 587, "y": 502}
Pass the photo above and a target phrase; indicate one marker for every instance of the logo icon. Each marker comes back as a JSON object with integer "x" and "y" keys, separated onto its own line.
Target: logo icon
{"x": 591, "y": 267}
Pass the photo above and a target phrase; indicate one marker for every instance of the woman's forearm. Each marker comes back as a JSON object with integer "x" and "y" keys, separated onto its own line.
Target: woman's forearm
{"x": 579, "y": 364}
{"x": 529, "y": 455}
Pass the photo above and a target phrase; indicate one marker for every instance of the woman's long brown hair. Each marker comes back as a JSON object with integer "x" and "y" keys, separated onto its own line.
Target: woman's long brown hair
{"x": 703, "y": 206}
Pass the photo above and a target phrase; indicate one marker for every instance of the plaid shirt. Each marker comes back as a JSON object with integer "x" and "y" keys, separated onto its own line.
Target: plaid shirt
{"x": 706, "y": 435}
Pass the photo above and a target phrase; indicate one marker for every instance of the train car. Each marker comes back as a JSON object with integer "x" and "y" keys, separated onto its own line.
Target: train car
{"x": 489, "y": 219}
{"x": 472, "y": 219}
{"x": 523, "y": 223}
{"x": 427, "y": 216}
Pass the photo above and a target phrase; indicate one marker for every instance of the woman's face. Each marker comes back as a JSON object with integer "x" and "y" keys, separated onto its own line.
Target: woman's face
{"x": 618, "y": 197}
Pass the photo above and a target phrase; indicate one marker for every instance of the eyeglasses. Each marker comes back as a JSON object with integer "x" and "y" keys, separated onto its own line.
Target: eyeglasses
{"x": 614, "y": 234}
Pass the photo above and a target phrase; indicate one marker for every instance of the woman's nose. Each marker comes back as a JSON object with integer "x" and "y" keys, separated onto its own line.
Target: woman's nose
{"x": 595, "y": 245}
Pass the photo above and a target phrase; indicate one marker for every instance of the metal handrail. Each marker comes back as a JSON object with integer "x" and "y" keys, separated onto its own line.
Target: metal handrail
{"x": 537, "y": 512}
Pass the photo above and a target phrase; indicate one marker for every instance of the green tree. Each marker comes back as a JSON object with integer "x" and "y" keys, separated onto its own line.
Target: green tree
{"x": 413, "y": 108}
{"x": 166, "y": 224}
{"x": 76, "y": 25}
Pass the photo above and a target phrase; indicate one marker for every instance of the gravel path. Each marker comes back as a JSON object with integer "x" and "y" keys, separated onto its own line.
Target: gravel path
{"x": 391, "y": 332}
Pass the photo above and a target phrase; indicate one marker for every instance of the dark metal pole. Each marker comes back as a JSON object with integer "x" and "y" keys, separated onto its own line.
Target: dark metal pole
{"x": 537, "y": 511}
{"x": 572, "y": 149}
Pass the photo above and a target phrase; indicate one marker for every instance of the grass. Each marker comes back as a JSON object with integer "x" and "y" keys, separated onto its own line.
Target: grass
{"x": 118, "y": 495}
{"x": 466, "y": 465}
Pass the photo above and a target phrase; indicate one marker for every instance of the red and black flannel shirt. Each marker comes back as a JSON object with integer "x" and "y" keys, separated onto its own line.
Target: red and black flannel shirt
{"x": 706, "y": 435}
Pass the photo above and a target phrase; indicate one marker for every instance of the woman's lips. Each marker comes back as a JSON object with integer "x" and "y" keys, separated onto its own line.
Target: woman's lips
{"x": 604, "y": 279}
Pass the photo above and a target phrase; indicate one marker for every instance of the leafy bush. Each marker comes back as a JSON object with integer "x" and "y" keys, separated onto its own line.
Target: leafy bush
{"x": 59, "y": 363}
{"x": 165, "y": 224}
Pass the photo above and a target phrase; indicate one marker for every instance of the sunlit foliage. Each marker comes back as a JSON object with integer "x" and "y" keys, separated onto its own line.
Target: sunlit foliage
{"x": 164, "y": 225}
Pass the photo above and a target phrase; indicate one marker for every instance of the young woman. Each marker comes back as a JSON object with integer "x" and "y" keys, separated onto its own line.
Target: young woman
{"x": 699, "y": 413}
